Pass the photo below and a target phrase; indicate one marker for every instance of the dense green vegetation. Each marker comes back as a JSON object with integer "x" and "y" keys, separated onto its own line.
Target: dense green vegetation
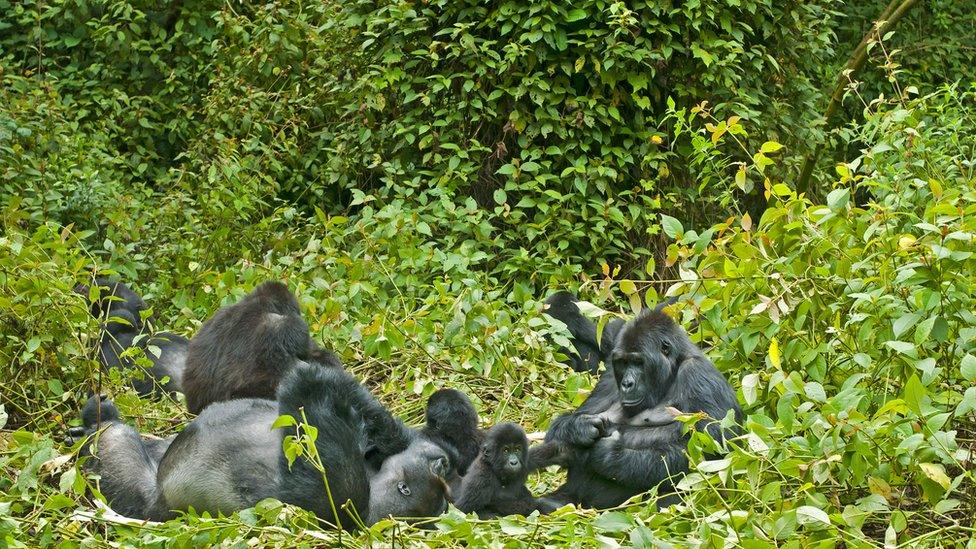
{"x": 424, "y": 173}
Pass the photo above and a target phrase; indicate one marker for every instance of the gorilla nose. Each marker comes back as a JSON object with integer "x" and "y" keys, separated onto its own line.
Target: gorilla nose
{"x": 627, "y": 384}
{"x": 440, "y": 466}
{"x": 513, "y": 461}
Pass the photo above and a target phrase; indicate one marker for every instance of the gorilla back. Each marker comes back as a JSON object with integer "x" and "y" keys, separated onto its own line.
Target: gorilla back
{"x": 245, "y": 349}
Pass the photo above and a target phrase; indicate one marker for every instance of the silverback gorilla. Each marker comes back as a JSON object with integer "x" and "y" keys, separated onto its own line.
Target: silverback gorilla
{"x": 619, "y": 442}
{"x": 245, "y": 349}
{"x": 119, "y": 309}
{"x": 229, "y": 458}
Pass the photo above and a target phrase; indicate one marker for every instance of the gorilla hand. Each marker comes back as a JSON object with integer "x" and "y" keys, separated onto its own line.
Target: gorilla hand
{"x": 590, "y": 428}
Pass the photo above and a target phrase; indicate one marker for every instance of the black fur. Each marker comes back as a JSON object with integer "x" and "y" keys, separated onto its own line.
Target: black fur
{"x": 452, "y": 423}
{"x": 587, "y": 354}
{"x": 125, "y": 461}
{"x": 244, "y": 350}
{"x": 495, "y": 483}
{"x": 409, "y": 481}
{"x": 654, "y": 366}
{"x": 114, "y": 298}
{"x": 120, "y": 310}
{"x": 229, "y": 458}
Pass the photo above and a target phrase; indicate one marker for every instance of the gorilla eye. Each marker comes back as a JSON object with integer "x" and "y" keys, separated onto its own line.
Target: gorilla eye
{"x": 666, "y": 347}
{"x": 403, "y": 488}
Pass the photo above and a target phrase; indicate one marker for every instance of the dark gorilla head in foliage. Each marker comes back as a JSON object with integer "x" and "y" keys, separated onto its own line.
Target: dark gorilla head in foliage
{"x": 646, "y": 358}
{"x": 114, "y": 299}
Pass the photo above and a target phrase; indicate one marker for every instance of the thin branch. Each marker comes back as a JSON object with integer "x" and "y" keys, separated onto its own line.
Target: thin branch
{"x": 885, "y": 22}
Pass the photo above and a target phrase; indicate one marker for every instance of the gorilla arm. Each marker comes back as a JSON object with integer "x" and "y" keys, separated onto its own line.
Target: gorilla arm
{"x": 583, "y": 427}
{"x": 640, "y": 457}
{"x": 699, "y": 387}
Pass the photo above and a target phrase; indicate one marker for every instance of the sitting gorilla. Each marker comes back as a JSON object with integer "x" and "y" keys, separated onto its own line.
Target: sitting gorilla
{"x": 119, "y": 309}
{"x": 229, "y": 458}
{"x": 588, "y": 353}
{"x": 620, "y": 442}
{"x": 452, "y": 423}
{"x": 495, "y": 483}
{"x": 244, "y": 350}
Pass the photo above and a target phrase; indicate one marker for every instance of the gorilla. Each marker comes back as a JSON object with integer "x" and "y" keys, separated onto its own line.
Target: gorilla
{"x": 113, "y": 298}
{"x": 120, "y": 310}
{"x": 452, "y": 423}
{"x": 244, "y": 350}
{"x": 588, "y": 353}
{"x": 230, "y": 457}
{"x": 612, "y": 451}
{"x": 495, "y": 483}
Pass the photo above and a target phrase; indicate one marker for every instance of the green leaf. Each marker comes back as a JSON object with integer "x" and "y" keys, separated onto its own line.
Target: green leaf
{"x": 628, "y": 287}
{"x": 807, "y": 515}
{"x": 284, "y": 421}
{"x": 614, "y": 521}
{"x": 903, "y": 323}
{"x": 650, "y": 267}
{"x": 506, "y": 169}
{"x": 770, "y": 147}
{"x": 837, "y": 199}
{"x": 500, "y": 196}
{"x": 968, "y": 367}
{"x": 914, "y": 393}
{"x": 750, "y": 388}
{"x": 672, "y": 227}
{"x": 575, "y": 15}
{"x": 966, "y": 406}
{"x": 902, "y": 347}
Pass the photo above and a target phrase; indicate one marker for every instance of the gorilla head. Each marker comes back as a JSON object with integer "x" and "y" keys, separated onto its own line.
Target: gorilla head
{"x": 115, "y": 299}
{"x": 646, "y": 358}
{"x": 505, "y": 450}
{"x": 410, "y": 484}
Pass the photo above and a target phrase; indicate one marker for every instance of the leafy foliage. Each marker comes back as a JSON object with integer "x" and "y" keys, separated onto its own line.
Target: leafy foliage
{"x": 199, "y": 148}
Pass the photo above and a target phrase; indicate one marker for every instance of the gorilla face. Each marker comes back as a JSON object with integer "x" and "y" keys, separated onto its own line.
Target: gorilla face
{"x": 410, "y": 484}
{"x": 505, "y": 451}
{"x": 645, "y": 361}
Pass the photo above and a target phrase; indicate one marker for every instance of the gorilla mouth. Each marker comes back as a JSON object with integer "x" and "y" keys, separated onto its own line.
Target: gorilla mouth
{"x": 632, "y": 403}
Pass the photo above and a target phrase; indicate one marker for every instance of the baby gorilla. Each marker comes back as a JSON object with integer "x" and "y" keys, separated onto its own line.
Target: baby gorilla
{"x": 495, "y": 483}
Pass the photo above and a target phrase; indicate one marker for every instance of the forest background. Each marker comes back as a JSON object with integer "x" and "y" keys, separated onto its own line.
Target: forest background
{"x": 423, "y": 173}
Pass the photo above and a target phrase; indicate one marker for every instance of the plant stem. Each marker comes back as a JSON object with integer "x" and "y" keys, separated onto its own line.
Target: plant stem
{"x": 885, "y": 22}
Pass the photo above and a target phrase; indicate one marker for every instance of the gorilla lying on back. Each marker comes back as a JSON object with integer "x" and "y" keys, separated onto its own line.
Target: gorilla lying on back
{"x": 244, "y": 350}
{"x": 588, "y": 353}
{"x": 229, "y": 458}
{"x": 119, "y": 309}
{"x": 654, "y": 367}
{"x": 495, "y": 483}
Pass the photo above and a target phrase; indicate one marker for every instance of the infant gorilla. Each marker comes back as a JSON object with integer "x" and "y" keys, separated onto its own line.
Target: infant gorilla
{"x": 495, "y": 483}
